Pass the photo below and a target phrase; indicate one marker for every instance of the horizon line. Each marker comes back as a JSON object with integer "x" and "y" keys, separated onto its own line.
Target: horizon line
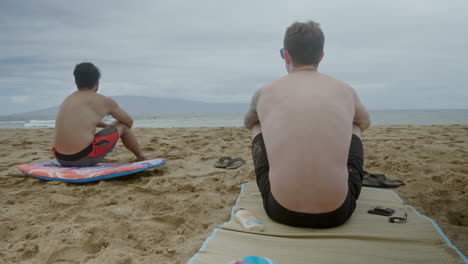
{"x": 165, "y": 113}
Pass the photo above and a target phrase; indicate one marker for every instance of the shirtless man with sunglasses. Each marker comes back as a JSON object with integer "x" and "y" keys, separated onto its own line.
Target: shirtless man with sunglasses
{"x": 306, "y": 129}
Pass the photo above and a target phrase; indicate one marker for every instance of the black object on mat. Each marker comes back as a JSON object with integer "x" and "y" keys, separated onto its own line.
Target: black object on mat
{"x": 379, "y": 181}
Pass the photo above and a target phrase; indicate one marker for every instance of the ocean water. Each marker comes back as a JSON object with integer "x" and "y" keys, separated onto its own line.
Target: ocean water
{"x": 420, "y": 117}
{"x": 379, "y": 117}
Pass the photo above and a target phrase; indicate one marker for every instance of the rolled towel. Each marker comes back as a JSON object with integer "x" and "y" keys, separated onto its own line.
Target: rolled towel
{"x": 258, "y": 260}
{"x": 254, "y": 260}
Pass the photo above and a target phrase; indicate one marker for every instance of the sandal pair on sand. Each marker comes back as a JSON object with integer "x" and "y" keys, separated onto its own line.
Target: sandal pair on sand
{"x": 229, "y": 163}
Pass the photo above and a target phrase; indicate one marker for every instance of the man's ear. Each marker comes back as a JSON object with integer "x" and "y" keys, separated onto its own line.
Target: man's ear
{"x": 321, "y": 56}
{"x": 287, "y": 58}
{"x": 97, "y": 85}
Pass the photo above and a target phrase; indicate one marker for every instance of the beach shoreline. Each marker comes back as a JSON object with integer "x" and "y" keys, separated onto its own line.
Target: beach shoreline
{"x": 164, "y": 215}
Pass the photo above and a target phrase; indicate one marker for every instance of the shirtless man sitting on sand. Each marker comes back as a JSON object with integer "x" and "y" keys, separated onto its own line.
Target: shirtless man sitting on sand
{"x": 80, "y": 114}
{"x": 306, "y": 129}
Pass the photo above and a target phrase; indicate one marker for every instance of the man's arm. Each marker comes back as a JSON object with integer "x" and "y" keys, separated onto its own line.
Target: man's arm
{"x": 251, "y": 117}
{"x": 119, "y": 114}
{"x": 361, "y": 115}
{"x": 102, "y": 124}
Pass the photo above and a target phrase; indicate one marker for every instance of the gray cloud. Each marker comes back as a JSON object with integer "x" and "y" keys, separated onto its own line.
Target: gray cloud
{"x": 398, "y": 54}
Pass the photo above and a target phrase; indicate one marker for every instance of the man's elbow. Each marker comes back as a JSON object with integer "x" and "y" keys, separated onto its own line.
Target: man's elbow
{"x": 365, "y": 124}
{"x": 247, "y": 124}
{"x": 248, "y": 121}
{"x": 130, "y": 123}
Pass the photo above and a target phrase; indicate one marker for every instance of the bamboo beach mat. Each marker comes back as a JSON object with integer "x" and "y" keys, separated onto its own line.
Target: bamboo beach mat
{"x": 365, "y": 238}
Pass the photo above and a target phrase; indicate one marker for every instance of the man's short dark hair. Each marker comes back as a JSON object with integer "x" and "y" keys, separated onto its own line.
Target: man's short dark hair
{"x": 304, "y": 43}
{"x": 86, "y": 75}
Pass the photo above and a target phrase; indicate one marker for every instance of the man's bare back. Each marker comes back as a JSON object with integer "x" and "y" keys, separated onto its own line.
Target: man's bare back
{"x": 79, "y": 115}
{"x": 306, "y": 119}
{"x": 307, "y": 152}
{"x": 76, "y": 143}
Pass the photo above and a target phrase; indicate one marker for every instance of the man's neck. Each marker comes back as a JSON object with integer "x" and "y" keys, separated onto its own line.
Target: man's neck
{"x": 87, "y": 89}
{"x": 304, "y": 68}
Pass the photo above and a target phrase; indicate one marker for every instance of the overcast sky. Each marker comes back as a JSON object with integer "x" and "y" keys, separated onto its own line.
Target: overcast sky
{"x": 396, "y": 54}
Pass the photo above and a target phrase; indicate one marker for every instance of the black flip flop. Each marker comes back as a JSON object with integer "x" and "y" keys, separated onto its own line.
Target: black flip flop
{"x": 235, "y": 163}
{"x": 379, "y": 181}
{"x": 223, "y": 162}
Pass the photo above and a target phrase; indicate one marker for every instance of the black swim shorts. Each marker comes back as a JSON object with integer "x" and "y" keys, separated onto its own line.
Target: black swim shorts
{"x": 322, "y": 220}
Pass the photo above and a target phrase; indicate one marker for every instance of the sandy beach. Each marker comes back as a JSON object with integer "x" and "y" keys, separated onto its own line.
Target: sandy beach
{"x": 164, "y": 215}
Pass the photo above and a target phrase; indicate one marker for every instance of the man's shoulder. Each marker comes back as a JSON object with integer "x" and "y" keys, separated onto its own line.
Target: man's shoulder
{"x": 104, "y": 99}
{"x": 88, "y": 96}
{"x": 101, "y": 96}
{"x": 100, "y": 103}
{"x": 335, "y": 80}
{"x": 275, "y": 83}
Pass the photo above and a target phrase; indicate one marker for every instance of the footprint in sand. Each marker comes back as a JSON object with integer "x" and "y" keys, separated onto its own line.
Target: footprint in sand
{"x": 437, "y": 179}
{"x": 419, "y": 187}
{"x": 148, "y": 149}
{"x": 169, "y": 220}
{"x": 83, "y": 219}
{"x": 457, "y": 218}
{"x": 66, "y": 255}
{"x": 92, "y": 246}
{"x": 26, "y": 249}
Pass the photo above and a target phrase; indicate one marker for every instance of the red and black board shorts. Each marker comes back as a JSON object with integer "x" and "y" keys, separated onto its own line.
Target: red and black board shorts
{"x": 104, "y": 142}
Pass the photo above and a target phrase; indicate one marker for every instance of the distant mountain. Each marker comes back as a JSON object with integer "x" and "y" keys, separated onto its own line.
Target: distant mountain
{"x": 144, "y": 106}
{"x": 46, "y": 113}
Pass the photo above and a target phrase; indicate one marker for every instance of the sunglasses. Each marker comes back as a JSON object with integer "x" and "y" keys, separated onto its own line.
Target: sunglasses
{"x": 282, "y": 53}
